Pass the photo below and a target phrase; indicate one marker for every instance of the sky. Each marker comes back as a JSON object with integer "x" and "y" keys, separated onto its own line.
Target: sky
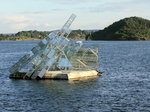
{"x": 47, "y": 15}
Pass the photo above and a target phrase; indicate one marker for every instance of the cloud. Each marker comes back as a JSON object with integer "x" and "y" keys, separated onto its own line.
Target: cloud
{"x": 13, "y": 23}
{"x": 42, "y": 12}
{"x": 19, "y": 26}
{"x": 91, "y": 14}
{"x": 15, "y": 19}
{"x": 70, "y": 1}
{"x": 34, "y": 12}
{"x": 117, "y": 6}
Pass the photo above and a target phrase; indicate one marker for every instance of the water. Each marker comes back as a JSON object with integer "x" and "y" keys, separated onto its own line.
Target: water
{"x": 123, "y": 87}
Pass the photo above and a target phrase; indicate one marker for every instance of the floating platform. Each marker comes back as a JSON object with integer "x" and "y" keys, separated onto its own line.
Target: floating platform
{"x": 59, "y": 75}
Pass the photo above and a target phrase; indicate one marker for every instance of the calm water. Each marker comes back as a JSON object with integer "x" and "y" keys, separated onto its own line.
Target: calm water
{"x": 123, "y": 87}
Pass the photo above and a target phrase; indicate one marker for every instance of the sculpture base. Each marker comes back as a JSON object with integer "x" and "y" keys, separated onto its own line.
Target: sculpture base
{"x": 60, "y": 75}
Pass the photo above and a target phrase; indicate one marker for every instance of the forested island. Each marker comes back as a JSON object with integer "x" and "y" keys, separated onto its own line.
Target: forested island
{"x": 132, "y": 28}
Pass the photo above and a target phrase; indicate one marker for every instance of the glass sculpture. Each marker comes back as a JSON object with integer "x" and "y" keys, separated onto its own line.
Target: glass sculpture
{"x": 57, "y": 53}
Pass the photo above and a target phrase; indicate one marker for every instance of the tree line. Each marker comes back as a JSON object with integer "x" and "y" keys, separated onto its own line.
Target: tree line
{"x": 31, "y": 35}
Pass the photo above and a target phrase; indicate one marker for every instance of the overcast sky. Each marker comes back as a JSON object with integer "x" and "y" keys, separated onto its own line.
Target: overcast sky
{"x": 47, "y": 15}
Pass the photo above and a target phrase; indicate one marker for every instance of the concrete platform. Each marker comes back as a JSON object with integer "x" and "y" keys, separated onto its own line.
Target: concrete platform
{"x": 59, "y": 75}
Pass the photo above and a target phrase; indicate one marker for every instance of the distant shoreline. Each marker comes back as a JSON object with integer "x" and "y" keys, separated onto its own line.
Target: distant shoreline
{"x": 38, "y": 35}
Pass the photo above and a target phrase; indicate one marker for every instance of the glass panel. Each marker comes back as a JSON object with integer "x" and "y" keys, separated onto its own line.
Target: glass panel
{"x": 51, "y": 61}
{"x": 51, "y": 53}
{"x": 35, "y": 49}
{"x": 41, "y": 44}
{"x": 64, "y": 63}
{"x": 42, "y": 72}
{"x": 45, "y": 52}
{"x": 64, "y": 41}
{"x": 44, "y": 41}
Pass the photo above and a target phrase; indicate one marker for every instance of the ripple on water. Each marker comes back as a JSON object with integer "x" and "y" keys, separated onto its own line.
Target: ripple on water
{"x": 123, "y": 86}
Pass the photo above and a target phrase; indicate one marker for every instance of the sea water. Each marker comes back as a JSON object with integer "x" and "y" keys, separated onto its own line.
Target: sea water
{"x": 124, "y": 85}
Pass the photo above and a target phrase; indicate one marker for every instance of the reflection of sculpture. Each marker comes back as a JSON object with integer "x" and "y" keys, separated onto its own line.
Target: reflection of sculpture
{"x": 57, "y": 53}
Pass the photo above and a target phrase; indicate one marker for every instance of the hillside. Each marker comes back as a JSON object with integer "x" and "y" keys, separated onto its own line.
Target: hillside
{"x": 133, "y": 28}
{"x": 34, "y": 35}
